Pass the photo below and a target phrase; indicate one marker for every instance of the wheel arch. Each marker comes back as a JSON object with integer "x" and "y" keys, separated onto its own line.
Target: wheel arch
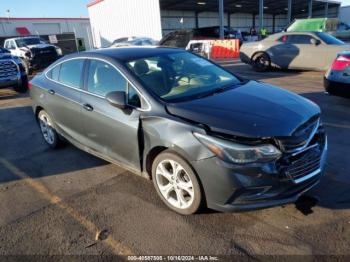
{"x": 37, "y": 111}
{"x": 151, "y": 155}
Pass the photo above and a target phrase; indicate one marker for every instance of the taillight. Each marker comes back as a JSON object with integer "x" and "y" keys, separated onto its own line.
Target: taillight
{"x": 341, "y": 63}
{"x": 30, "y": 85}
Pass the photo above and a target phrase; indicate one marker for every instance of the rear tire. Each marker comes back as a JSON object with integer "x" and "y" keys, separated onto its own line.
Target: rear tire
{"x": 22, "y": 87}
{"x": 261, "y": 62}
{"x": 176, "y": 183}
{"x": 48, "y": 131}
{"x": 328, "y": 86}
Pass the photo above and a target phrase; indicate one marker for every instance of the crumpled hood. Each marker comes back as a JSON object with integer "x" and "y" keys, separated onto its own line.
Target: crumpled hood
{"x": 38, "y": 46}
{"x": 254, "y": 110}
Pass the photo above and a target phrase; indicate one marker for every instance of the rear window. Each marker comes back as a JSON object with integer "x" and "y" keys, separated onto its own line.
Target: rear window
{"x": 55, "y": 73}
{"x": 329, "y": 39}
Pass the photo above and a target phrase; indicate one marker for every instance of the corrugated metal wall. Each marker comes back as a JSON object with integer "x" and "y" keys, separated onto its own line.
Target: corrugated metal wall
{"x": 112, "y": 19}
{"x": 344, "y": 14}
{"x": 240, "y": 21}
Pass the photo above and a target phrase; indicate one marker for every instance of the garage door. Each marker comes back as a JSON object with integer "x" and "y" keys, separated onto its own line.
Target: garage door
{"x": 47, "y": 28}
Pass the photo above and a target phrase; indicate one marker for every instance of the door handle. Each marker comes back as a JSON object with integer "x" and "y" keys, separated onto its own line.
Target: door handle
{"x": 51, "y": 92}
{"x": 88, "y": 107}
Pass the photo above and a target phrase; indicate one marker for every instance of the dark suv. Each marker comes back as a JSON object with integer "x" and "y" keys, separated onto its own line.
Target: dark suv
{"x": 12, "y": 72}
{"x": 181, "y": 38}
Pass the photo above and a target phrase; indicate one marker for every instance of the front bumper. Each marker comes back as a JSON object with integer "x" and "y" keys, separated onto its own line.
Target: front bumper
{"x": 8, "y": 82}
{"x": 39, "y": 62}
{"x": 229, "y": 187}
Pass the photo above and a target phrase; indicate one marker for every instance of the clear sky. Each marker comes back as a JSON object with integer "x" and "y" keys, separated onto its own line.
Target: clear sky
{"x": 53, "y": 8}
{"x": 44, "y": 8}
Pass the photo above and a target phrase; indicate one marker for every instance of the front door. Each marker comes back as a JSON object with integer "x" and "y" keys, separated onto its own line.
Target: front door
{"x": 310, "y": 56}
{"x": 110, "y": 131}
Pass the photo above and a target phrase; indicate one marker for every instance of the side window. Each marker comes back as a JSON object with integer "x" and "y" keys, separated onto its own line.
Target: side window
{"x": 54, "y": 73}
{"x": 283, "y": 39}
{"x": 104, "y": 78}
{"x": 10, "y": 45}
{"x": 70, "y": 72}
{"x": 133, "y": 97}
{"x": 300, "y": 39}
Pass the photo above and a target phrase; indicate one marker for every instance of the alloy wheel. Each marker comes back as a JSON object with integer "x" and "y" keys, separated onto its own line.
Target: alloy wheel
{"x": 46, "y": 128}
{"x": 174, "y": 184}
{"x": 261, "y": 62}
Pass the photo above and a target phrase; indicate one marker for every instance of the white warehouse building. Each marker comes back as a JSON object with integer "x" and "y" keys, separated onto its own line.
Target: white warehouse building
{"x": 10, "y": 26}
{"x": 112, "y": 19}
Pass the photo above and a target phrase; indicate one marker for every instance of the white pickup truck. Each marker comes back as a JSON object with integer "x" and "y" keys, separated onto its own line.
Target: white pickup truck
{"x": 34, "y": 52}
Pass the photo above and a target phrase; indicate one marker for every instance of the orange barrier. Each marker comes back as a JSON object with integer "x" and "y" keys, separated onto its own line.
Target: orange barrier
{"x": 225, "y": 49}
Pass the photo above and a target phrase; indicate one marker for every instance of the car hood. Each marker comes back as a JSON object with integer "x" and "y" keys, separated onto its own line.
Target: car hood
{"x": 38, "y": 46}
{"x": 252, "y": 110}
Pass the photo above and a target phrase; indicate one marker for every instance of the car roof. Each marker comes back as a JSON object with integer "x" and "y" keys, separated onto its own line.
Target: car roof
{"x": 296, "y": 33}
{"x": 23, "y": 37}
{"x": 129, "y": 53}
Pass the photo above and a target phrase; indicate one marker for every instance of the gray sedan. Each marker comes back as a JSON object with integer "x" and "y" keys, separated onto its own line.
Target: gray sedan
{"x": 204, "y": 136}
{"x": 293, "y": 50}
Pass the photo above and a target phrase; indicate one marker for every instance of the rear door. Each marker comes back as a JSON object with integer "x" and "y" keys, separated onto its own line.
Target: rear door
{"x": 63, "y": 97}
{"x": 110, "y": 131}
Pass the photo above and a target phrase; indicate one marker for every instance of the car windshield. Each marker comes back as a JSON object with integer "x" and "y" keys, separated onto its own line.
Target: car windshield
{"x": 329, "y": 39}
{"x": 27, "y": 41}
{"x": 181, "y": 76}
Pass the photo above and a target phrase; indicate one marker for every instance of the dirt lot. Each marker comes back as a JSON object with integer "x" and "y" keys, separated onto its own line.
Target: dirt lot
{"x": 55, "y": 202}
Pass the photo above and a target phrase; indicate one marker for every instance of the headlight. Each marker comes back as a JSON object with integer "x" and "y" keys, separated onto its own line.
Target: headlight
{"x": 59, "y": 51}
{"x": 237, "y": 153}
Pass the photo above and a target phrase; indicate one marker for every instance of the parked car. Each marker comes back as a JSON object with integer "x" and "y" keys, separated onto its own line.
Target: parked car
{"x": 337, "y": 78}
{"x": 133, "y": 41}
{"x": 204, "y": 135}
{"x": 12, "y": 73}
{"x": 293, "y": 50}
{"x": 33, "y": 52}
{"x": 181, "y": 38}
{"x": 332, "y": 26}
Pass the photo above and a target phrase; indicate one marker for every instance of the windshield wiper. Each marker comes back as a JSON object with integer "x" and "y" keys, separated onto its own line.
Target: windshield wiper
{"x": 220, "y": 90}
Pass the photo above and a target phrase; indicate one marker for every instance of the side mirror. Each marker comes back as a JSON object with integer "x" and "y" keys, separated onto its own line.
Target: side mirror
{"x": 117, "y": 99}
{"x": 315, "y": 42}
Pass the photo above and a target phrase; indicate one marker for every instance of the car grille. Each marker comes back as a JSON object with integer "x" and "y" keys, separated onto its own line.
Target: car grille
{"x": 8, "y": 69}
{"x": 44, "y": 52}
{"x": 305, "y": 159}
{"x": 304, "y": 164}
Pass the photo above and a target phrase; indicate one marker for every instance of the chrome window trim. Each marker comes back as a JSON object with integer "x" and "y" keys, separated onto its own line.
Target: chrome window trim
{"x": 148, "y": 108}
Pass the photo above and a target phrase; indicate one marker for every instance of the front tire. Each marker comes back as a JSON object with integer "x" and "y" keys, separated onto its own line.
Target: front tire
{"x": 26, "y": 66}
{"x": 261, "y": 62}
{"x": 176, "y": 183}
{"x": 47, "y": 130}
